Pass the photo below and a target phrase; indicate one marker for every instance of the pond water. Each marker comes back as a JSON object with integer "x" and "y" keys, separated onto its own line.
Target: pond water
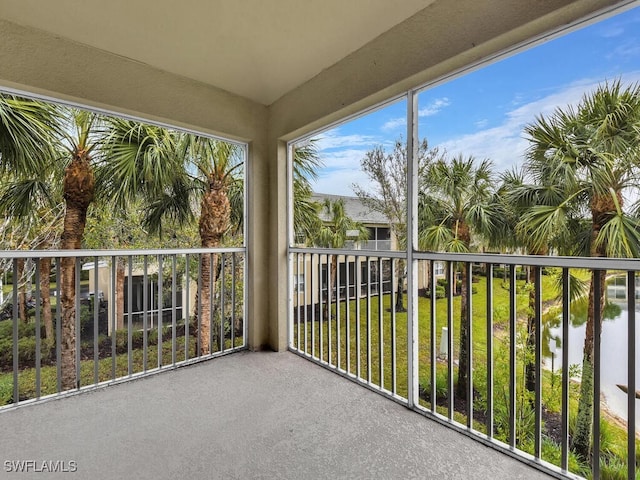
{"x": 613, "y": 353}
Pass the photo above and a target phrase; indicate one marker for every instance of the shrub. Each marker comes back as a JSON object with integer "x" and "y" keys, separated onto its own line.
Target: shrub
{"x": 441, "y": 385}
{"x": 26, "y": 353}
{"x": 6, "y": 390}
{"x": 440, "y": 292}
{"x": 24, "y": 329}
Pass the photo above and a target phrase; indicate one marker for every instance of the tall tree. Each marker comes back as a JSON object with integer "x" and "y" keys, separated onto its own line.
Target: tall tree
{"x": 27, "y": 128}
{"x": 34, "y": 206}
{"x": 94, "y": 170}
{"x": 591, "y": 154}
{"x": 386, "y": 192}
{"x": 456, "y": 207}
{"x": 305, "y": 165}
{"x": 205, "y": 183}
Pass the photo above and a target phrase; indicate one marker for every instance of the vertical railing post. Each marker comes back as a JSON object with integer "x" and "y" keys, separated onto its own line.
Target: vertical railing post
{"x": 320, "y": 308}
{"x": 566, "y": 318}
{"x": 96, "y": 305}
{"x": 538, "y": 361}
{"x": 130, "y": 315}
{"x": 114, "y": 313}
{"x": 186, "y": 309}
{"x": 411, "y": 247}
{"x": 58, "y": 328}
{"x": 347, "y": 317}
{"x": 78, "y": 332}
{"x": 381, "y": 322}
{"x": 160, "y": 305}
{"x": 16, "y": 280}
{"x": 469, "y": 407}
{"x": 145, "y": 311}
{"x": 38, "y": 328}
{"x": 512, "y": 354}
{"x": 597, "y": 330}
{"x": 450, "y": 283}
{"x": 313, "y": 306}
{"x": 434, "y": 333}
{"x": 358, "y": 273}
{"x": 489, "y": 277}
{"x": 631, "y": 374}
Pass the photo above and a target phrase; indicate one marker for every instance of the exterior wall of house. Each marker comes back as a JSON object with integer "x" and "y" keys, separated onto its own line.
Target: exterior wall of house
{"x": 104, "y": 286}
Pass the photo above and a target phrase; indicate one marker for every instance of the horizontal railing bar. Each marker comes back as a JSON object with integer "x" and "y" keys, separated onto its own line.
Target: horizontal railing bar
{"x": 599, "y": 263}
{"x": 113, "y": 253}
{"x": 350, "y": 253}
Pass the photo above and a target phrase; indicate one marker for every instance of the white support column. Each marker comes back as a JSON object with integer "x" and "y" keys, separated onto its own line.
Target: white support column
{"x": 412, "y": 246}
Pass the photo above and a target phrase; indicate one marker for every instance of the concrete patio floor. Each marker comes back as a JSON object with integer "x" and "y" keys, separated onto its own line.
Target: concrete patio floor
{"x": 246, "y": 415}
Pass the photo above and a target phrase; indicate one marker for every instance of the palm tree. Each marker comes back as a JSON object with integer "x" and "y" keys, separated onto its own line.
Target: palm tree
{"x": 217, "y": 162}
{"x": 306, "y": 163}
{"x": 335, "y": 234}
{"x": 34, "y": 206}
{"x": 142, "y": 164}
{"x": 93, "y": 170}
{"x": 590, "y": 154}
{"x": 205, "y": 182}
{"x": 27, "y": 128}
{"x": 456, "y": 207}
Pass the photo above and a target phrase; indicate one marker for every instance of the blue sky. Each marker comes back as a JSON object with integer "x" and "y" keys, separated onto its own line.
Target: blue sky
{"x": 483, "y": 113}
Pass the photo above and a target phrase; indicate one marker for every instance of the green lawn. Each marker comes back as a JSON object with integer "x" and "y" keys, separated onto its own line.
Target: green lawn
{"x": 385, "y": 325}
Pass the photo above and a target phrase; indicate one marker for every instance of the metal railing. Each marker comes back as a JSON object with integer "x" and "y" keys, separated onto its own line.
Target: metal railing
{"x": 513, "y": 381}
{"x": 141, "y": 321}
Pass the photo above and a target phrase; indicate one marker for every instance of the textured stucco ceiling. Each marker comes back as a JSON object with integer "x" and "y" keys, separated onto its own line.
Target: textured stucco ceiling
{"x": 259, "y": 49}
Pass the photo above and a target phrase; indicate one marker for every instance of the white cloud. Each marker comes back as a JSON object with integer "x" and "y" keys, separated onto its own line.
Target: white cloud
{"x": 431, "y": 109}
{"x": 333, "y": 139}
{"x": 394, "y": 124}
{"x": 434, "y": 107}
{"x": 626, "y": 50}
{"x": 505, "y": 144}
{"x": 342, "y": 169}
{"x": 339, "y": 182}
{"x": 612, "y": 31}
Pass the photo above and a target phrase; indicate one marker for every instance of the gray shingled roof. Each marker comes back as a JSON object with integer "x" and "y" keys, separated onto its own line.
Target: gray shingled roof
{"x": 354, "y": 208}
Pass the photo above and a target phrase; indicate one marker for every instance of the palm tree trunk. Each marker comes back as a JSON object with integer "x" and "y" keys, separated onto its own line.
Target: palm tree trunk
{"x": 214, "y": 221}
{"x": 204, "y": 297}
{"x": 22, "y": 291}
{"x": 463, "y": 357}
{"x": 529, "y": 364}
{"x": 333, "y": 280}
{"x": 73, "y": 222}
{"x": 45, "y": 295}
{"x": 581, "y": 441}
{"x": 465, "y": 321}
{"x": 120, "y": 264}
{"x": 78, "y": 194}
{"x": 399, "y": 306}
